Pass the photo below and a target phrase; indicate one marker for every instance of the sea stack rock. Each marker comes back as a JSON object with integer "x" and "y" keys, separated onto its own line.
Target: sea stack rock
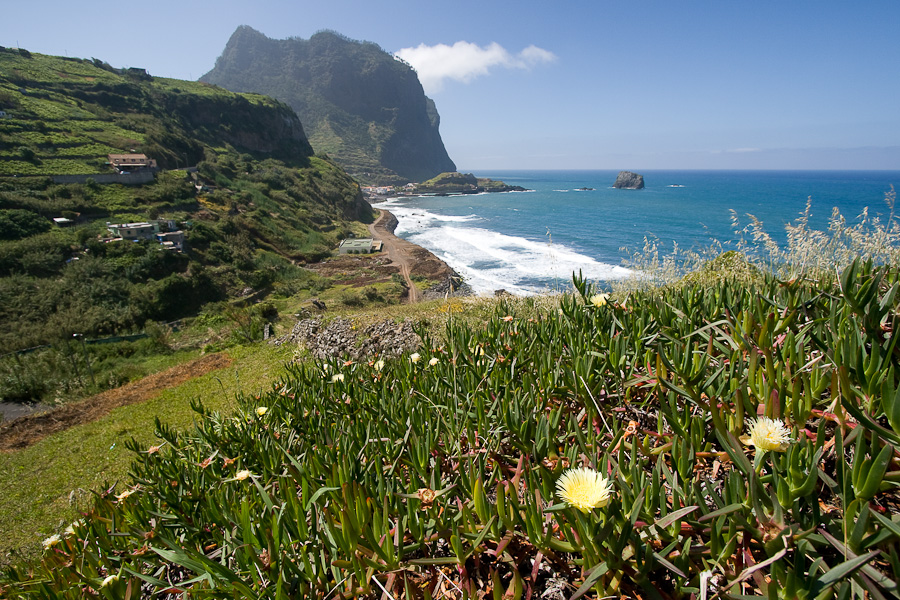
{"x": 629, "y": 181}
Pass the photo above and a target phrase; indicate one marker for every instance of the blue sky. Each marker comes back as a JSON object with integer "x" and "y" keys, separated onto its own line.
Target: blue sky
{"x": 578, "y": 84}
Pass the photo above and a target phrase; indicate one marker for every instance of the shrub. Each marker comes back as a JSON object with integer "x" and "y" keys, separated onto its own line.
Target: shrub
{"x": 16, "y": 224}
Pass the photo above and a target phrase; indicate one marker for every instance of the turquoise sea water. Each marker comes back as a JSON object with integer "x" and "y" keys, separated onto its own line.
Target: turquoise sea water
{"x": 528, "y": 242}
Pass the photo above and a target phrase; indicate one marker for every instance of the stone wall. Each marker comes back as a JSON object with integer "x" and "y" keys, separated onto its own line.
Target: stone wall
{"x": 136, "y": 178}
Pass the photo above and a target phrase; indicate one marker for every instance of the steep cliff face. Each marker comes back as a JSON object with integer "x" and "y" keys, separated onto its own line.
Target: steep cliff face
{"x": 269, "y": 128}
{"x": 357, "y": 102}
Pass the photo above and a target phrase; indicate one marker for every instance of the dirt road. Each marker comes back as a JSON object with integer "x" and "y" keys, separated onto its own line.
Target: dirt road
{"x": 398, "y": 250}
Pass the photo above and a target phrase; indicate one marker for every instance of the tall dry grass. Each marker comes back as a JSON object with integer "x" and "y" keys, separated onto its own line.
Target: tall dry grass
{"x": 807, "y": 252}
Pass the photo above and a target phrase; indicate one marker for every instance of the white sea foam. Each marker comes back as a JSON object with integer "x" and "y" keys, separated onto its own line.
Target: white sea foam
{"x": 412, "y": 221}
{"x": 490, "y": 260}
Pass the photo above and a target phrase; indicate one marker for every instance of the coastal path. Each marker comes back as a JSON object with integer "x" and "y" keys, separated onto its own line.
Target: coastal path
{"x": 399, "y": 251}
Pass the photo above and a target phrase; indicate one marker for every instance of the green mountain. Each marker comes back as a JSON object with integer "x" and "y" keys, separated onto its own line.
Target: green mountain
{"x": 358, "y": 103}
{"x": 254, "y": 204}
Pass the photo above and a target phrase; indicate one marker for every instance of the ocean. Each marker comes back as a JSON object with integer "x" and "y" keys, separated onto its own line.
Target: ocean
{"x": 531, "y": 242}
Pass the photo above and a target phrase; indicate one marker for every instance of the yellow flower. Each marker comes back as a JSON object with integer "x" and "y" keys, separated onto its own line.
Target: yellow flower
{"x": 599, "y": 300}
{"x": 242, "y": 475}
{"x": 261, "y": 410}
{"x": 584, "y": 488}
{"x": 337, "y": 377}
{"x": 51, "y": 541}
{"x": 110, "y": 579}
{"x": 433, "y": 361}
{"x": 768, "y": 434}
{"x": 414, "y": 357}
{"x": 379, "y": 364}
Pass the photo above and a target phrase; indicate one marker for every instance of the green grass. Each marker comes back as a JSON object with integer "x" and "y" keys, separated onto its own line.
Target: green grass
{"x": 48, "y": 483}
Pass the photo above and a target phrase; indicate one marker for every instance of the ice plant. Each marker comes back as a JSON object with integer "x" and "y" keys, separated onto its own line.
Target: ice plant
{"x": 260, "y": 411}
{"x": 70, "y": 530}
{"x": 584, "y": 488}
{"x": 768, "y": 434}
{"x": 123, "y": 495}
{"x": 109, "y": 579}
{"x": 51, "y": 541}
{"x": 414, "y": 357}
{"x": 337, "y": 377}
{"x": 433, "y": 361}
{"x": 599, "y": 300}
{"x": 379, "y": 364}
{"x": 242, "y": 475}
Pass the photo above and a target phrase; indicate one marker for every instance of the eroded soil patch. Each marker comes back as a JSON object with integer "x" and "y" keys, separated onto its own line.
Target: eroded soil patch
{"x": 25, "y": 431}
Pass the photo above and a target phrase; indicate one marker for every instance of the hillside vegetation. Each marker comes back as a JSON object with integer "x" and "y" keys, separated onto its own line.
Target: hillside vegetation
{"x": 358, "y": 103}
{"x": 735, "y": 438}
{"x": 258, "y": 206}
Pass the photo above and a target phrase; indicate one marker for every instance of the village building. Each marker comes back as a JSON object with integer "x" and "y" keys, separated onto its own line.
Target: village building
{"x": 163, "y": 225}
{"x": 131, "y": 231}
{"x": 171, "y": 240}
{"x": 359, "y": 246}
{"x": 126, "y": 163}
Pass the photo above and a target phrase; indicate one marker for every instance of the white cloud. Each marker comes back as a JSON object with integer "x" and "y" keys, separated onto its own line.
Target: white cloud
{"x": 464, "y": 61}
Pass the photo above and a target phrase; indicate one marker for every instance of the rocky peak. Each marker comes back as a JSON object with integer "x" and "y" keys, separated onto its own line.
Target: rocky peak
{"x": 357, "y": 103}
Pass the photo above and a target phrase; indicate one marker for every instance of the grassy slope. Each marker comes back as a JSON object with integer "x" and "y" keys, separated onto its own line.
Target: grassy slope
{"x": 36, "y": 483}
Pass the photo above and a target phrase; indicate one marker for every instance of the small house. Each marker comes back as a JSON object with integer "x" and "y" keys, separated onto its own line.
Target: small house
{"x": 131, "y": 231}
{"x": 359, "y": 246}
{"x": 171, "y": 240}
{"x": 131, "y": 162}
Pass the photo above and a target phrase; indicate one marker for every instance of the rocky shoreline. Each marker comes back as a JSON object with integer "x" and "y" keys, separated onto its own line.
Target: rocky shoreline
{"x": 422, "y": 262}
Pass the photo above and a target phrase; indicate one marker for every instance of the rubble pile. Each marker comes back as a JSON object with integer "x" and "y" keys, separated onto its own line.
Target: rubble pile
{"x": 341, "y": 338}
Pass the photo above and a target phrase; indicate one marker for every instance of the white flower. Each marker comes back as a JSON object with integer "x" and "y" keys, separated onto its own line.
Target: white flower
{"x": 51, "y": 541}
{"x": 434, "y": 360}
{"x": 414, "y": 357}
{"x": 110, "y": 579}
{"x": 123, "y": 495}
{"x": 337, "y": 377}
{"x": 379, "y": 364}
{"x": 599, "y": 300}
{"x": 261, "y": 410}
{"x": 242, "y": 475}
{"x": 584, "y": 488}
{"x": 768, "y": 434}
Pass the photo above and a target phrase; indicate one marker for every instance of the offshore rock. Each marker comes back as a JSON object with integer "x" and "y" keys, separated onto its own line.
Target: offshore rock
{"x": 629, "y": 181}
